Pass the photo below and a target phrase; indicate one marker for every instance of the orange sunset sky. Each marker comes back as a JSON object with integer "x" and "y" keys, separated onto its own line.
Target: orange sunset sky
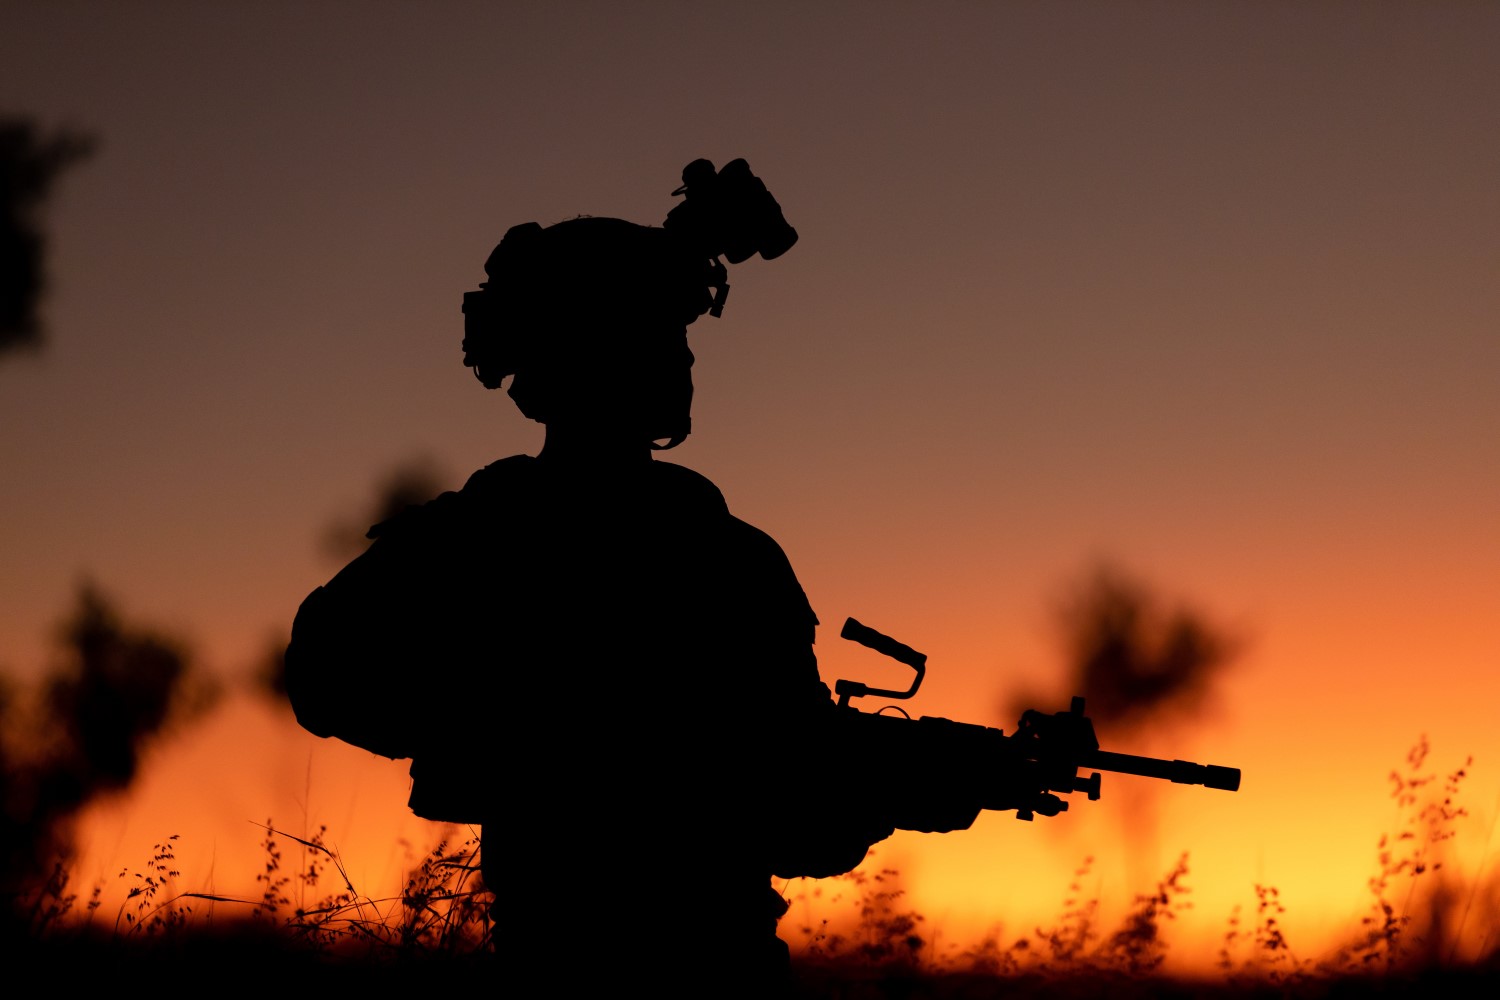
{"x": 1206, "y": 290}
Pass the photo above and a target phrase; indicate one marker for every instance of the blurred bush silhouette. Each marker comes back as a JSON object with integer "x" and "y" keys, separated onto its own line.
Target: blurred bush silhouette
{"x": 30, "y": 164}
{"x": 1139, "y": 660}
{"x": 411, "y": 482}
{"x": 82, "y": 731}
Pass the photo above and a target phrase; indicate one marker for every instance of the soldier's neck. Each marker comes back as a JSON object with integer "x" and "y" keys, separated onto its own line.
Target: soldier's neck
{"x": 592, "y": 447}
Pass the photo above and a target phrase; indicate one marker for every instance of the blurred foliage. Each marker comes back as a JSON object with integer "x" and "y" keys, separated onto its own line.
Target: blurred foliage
{"x": 1137, "y": 657}
{"x": 30, "y": 164}
{"x": 1140, "y": 660}
{"x": 269, "y": 676}
{"x": 83, "y": 730}
{"x": 409, "y": 483}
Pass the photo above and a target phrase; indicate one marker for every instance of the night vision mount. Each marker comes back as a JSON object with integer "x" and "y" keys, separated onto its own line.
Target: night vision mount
{"x": 727, "y": 213}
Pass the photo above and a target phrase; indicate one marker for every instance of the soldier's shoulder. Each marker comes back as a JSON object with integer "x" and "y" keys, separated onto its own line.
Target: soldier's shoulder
{"x": 762, "y": 573}
{"x": 685, "y": 481}
{"x": 692, "y": 486}
{"x": 507, "y": 473}
{"x": 452, "y": 508}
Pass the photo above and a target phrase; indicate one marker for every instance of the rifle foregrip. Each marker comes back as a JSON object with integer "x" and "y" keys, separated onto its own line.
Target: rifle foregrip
{"x": 882, "y": 643}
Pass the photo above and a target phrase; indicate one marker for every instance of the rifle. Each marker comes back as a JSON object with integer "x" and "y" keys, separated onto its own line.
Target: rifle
{"x": 948, "y": 771}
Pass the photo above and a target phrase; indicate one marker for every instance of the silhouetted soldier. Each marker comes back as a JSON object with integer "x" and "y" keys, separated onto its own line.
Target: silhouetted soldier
{"x": 584, "y": 652}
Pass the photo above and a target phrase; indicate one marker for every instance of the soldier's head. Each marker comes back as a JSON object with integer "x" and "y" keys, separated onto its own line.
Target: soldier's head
{"x": 590, "y": 315}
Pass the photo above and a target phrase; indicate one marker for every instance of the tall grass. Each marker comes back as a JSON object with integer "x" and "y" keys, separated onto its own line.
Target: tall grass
{"x": 1422, "y": 920}
{"x": 309, "y": 915}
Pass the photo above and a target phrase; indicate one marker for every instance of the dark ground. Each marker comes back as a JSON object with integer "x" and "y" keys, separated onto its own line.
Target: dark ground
{"x": 262, "y": 958}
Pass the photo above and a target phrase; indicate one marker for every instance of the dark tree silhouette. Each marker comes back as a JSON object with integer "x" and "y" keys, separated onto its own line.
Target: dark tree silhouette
{"x": 408, "y": 484}
{"x": 269, "y": 675}
{"x": 1139, "y": 660}
{"x": 116, "y": 688}
{"x": 30, "y": 163}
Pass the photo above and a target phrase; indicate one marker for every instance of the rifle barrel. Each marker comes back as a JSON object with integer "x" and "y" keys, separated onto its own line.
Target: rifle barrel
{"x": 1183, "y": 772}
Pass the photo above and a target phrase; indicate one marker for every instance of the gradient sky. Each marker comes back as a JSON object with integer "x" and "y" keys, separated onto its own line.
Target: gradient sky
{"x": 1209, "y": 290}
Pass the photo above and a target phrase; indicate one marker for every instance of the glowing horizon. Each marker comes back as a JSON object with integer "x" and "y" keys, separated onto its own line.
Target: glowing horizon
{"x": 999, "y": 877}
